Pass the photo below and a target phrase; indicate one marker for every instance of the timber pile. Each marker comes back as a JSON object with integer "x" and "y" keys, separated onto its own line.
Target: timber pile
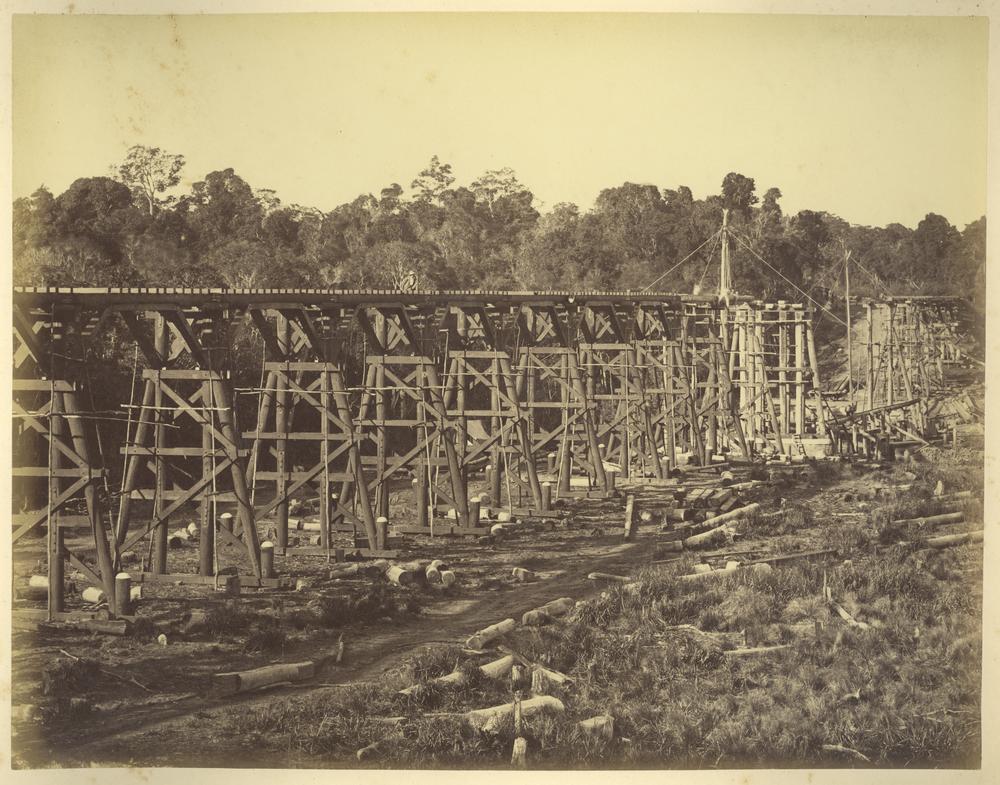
{"x": 958, "y": 407}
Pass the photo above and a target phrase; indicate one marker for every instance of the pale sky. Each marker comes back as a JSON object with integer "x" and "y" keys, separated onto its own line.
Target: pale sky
{"x": 877, "y": 120}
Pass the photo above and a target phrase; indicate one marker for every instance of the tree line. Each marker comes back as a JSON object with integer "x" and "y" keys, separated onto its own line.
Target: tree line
{"x": 132, "y": 228}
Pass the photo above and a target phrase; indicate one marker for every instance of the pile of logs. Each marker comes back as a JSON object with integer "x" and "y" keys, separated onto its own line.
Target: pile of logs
{"x": 413, "y": 573}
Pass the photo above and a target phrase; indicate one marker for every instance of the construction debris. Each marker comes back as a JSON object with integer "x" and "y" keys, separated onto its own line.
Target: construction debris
{"x": 547, "y": 612}
{"x": 600, "y": 727}
{"x": 491, "y": 719}
{"x": 491, "y": 633}
{"x": 243, "y": 681}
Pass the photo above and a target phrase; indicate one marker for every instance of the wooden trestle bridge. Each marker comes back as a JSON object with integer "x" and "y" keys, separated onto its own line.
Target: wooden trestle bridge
{"x": 362, "y": 394}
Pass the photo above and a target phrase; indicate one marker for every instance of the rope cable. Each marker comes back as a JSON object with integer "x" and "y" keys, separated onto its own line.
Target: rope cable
{"x": 664, "y": 275}
{"x": 760, "y": 258}
{"x": 874, "y": 277}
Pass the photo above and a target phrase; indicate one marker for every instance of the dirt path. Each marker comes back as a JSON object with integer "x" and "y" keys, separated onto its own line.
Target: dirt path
{"x": 174, "y": 727}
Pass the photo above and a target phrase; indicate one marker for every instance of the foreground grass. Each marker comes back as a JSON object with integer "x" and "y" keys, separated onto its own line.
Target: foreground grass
{"x": 904, "y": 692}
{"x": 901, "y": 690}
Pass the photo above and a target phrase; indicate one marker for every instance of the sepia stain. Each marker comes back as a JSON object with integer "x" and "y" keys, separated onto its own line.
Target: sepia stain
{"x": 431, "y": 77}
{"x": 176, "y": 35}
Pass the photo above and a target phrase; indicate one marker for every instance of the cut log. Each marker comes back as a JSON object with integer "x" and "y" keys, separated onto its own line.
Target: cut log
{"x": 344, "y": 571}
{"x": 955, "y": 496}
{"x": 359, "y": 569}
{"x": 521, "y": 575}
{"x": 493, "y": 670}
{"x": 733, "y": 515}
{"x": 786, "y": 557}
{"x": 102, "y": 626}
{"x": 543, "y": 679}
{"x": 756, "y": 650}
{"x": 535, "y": 618}
{"x": 558, "y": 607}
{"x": 93, "y": 595}
{"x": 714, "y": 536}
{"x": 491, "y": 719}
{"x": 728, "y": 504}
{"x": 600, "y": 727}
{"x": 847, "y": 751}
{"x": 678, "y": 514}
{"x": 607, "y": 576}
{"x": 490, "y": 633}
{"x": 932, "y": 520}
{"x": 947, "y": 540}
{"x": 729, "y": 570}
{"x": 498, "y": 668}
{"x": 519, "y": 754}
{"x": 735, "y": 639}
{"x": 746, "y": 486}
{"x": 377, "y": 748}
{"x": 547, "y": 612}
{"x": 433, "y": 571}
{"x": 448, "y": 578}
{"x": 242, "y": 681}
{"x": 401, "y": 576}
{"x": 33, "y": 593}
{"x": 630, "y": 521}
{"x": 842, "y": 612}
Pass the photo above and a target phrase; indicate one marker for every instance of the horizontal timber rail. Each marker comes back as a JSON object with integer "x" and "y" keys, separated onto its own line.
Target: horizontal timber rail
{"x": 376, "y": 406}
{"x": 143, "y": 296}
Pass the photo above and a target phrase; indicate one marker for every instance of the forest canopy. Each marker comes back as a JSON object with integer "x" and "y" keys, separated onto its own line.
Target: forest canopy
{"x": 135, "y": 227}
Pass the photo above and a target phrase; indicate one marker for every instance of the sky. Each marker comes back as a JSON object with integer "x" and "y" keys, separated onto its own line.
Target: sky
{"x": 875, "y": 119}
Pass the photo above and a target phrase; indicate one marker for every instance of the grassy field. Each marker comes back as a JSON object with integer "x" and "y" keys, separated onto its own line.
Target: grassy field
{"x": 896, "y": 686}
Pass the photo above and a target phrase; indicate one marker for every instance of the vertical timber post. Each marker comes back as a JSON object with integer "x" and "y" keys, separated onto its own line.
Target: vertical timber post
{"x": 57, "y": 584}
{"x": 281, "y": 427}
{"x": 324, "y": 483}
{"x": 381, "y": 414}
{"x": 206, "y": 542}
{"x": 231, "y": 435}
{"x": 870, "y": 358}
{"x": 159, "y": 533}
{"x": 81, "y": 445}
{"x": 800, "y": 361}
